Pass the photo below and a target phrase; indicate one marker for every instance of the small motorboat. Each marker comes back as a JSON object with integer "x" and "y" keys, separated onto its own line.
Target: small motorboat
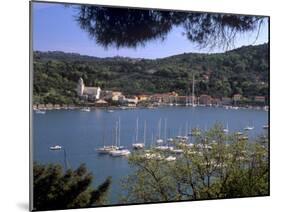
{"x": 57, "y": 147}
{"x": 40, "y": 112}
{"x": 248, "y": 128}
{"x": 159, "y": 141}
{"x": 243, "y": 138}
{"x": 265, "y": 126}
{"x": 182, "y": 138}
{"x": 164, "y": 148}
{"x": 153, "y": 156}
{"x": 86, "y": 109}
{"x": 225, "y": 130}
{"x": 170, "y": 139}
{"x": 138, "y": 145}
{"x": 238, "y": 133}
{"x": 177, "y": 151}
{"x": 170, "y": 158}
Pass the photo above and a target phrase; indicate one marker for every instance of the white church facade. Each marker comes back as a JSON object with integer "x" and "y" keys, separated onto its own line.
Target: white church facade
{"x": 88, "y": 93}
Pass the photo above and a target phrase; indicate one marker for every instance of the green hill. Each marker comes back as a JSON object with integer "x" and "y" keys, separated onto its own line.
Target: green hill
{"x": 244, "y": 70}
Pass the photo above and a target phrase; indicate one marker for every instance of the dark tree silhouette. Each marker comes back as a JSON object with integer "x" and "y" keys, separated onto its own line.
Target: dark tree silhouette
{"x": 127, "y": 27}
{"x": 54, "y": 189}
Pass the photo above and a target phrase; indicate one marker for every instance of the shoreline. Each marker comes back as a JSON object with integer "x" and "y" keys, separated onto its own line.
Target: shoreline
{"x": 109, "y": 108}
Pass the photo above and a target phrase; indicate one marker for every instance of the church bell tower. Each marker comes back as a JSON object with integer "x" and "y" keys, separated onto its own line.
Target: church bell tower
{"x": 80, "y": 87}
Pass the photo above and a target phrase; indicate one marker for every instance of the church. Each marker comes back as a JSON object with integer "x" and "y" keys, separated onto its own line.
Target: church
{"x": 88, "y": 93}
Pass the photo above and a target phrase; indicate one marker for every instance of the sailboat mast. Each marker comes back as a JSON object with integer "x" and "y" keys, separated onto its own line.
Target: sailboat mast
{"x": 137, "y": 129}
{"x": 151, "y": 139}
{"x": 116, "y": 132}
{"x": 165, "y": 129}
{"x": 103, "y": 134}
{"x": 144, "y": 132}
{"x": 179, "y": 131}
{"x": 159, "y": 129}
{"x": 112, "y": 136}
{"x": 186, "y": 128}
{"x": 119, "y": 129}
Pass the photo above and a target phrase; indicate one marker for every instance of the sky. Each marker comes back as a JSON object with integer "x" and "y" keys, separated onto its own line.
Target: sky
{"x": 55, "y": 29}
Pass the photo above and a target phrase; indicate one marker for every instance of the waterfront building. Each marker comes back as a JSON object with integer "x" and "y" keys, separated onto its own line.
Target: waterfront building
{"x": 49, "y": 106}
{"x": 164, "y": 97}
{"x": 64, "y": 106}
{"x": 216, "y": 101}
{"x": 260, "y": 99}
{"x": 56, "y": 106}
{"x": 157, "y": 98}
{"x": 117, "y": 96}
{"x": 190, "y": 99}
{"x": 112, "y": 96}
{"x": 237, "y": 97}
{"x": 41, "y": 106}
{"x": 71, "y": 107}
{"x": 180, "y": 100}
{"x": 205, "y": 99}
{"x": 87, "y": 93}
{"x": 143, "y": 97}
{"x": 101, "y": 103}
{"x": 226, "y": 101}
{"x": 130, "y": 101}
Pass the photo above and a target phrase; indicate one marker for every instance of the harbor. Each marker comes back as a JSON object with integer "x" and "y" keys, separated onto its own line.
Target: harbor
{"x": 78, "y": 137}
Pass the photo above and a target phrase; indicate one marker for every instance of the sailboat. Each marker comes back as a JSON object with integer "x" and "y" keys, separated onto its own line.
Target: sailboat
{"x": 170, "y": 102}
{"x": 181, "y": 137}
{"x": 181, "y": 140}
{"x": 163, "y": 147}
{"x": 226, "y": 130}
{"x": 139, "y": 145}
{"x": 186, "y": 101}
{"x": 120, "y": 151}
{"x": 106, "y": 149}
{"x": 185, "y": 137}
{"x": 195, "y": 132}
{"x": 176, "y": 102}
{"x": 249, "y": 127}
{"x": 159, "y": 140}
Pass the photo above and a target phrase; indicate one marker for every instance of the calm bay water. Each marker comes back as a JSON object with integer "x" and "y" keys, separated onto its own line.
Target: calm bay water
{"x": 80, "y": 133}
